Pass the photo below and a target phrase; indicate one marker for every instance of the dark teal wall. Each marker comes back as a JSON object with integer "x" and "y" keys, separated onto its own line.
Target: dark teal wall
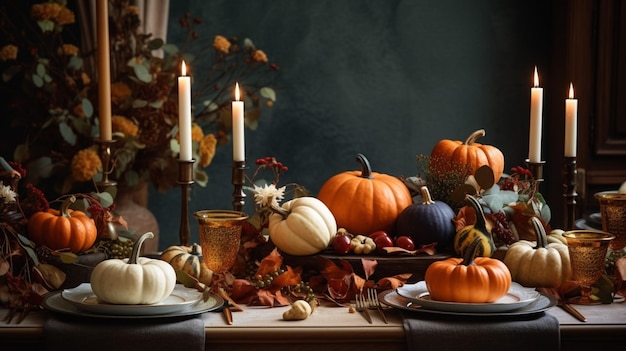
{"x": 384, "y": 78}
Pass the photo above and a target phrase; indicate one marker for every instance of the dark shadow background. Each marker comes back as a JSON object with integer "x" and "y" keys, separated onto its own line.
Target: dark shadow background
{"x": 384, "y": 78}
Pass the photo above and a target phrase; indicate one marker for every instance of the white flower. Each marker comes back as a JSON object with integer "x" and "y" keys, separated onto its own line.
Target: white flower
{"x": 268, "y": 193}
{"x": 6, "y": 193}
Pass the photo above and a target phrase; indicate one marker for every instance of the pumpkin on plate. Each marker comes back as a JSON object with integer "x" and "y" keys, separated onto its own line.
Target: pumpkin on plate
{"x": 189, "y": 260}
{"x": 470, "y": 279}
{"x": 449, "y": 155}
{"x": 365, "y": 201}
{"x": 63, "y": 229}
{"x": 544, "y": 265}
{"x": 302, "y": 226}
{"x": 135, "y": 280}
{"x": 428, "y": 222}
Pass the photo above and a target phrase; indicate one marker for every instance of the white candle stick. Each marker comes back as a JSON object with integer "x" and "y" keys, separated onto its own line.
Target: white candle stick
{"x": 104, "y": 70}
{"x": 536, "y": 107}
{"x": 239, "y": 153}
{"x": 571, "y": 116}
{"x": 184, "y": 114}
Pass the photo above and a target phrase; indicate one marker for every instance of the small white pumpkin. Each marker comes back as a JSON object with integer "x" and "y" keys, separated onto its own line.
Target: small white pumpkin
{"x": 302, "y": 226}
{"x": 133, "y": 281}
{"x": 543, "y": 265}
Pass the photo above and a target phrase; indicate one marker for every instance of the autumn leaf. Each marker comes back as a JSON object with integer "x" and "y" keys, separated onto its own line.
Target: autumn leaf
{"x": 270, "y": 263}
{"x": 369, "y": 266}
{"x": 393, "y": 282}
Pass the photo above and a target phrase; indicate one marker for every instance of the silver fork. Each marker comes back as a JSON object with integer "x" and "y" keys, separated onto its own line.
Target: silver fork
{"x": 374, "y": 304}
{"x": 361, "y": 306}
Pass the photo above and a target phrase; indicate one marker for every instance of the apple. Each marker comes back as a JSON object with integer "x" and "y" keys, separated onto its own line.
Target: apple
{"x": 341, "y": 244}
{"x": 378, "y": 233}
{"x": 382, "y": 241}
{"x": 405, "y": 242}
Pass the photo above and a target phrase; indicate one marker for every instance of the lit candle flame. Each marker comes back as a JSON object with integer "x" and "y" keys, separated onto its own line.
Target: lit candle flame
{"x": 237, "y": 91}
{"x": 536, "y": 78}
{"x": 571, "y": 91}
{"x": 183, "y": 69}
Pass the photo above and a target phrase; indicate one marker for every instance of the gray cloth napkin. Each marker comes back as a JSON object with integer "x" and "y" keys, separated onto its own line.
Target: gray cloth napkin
{"x": 64, "y": 333}
{"x": 540, "y": 332}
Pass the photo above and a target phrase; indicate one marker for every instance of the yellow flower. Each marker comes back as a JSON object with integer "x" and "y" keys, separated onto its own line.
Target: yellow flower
{"x": 85, "y": 165}
{"x": 221, "y": 44}
{"x": 121, "y": 124}
{"x": 45, "y": 11}
{"x": 119, "y": 92}
{"x": 196, "y": 132}
{"x": 65, "y": 16}
{"x": 8, "y": 52}
{"x": 85, "y": 78}
{"x": 206, "y": 150}
{"x": 68, "y": 50}
{"x": 133, "y": 9}
{"x": 259, "y": 56}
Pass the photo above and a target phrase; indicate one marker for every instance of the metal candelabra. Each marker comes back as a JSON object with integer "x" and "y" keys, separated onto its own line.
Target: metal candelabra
{"x": 104, "y": 147}
{"x": 185, "y": 179}
{"x": 536, "y": 168}
{"x": 238, "y": 179}
{"x": 569, "y": 192}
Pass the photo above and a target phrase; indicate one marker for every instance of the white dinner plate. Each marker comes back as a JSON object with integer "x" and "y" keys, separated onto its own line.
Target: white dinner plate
{"x": 84, "y": 298}
{"x": 517, "y": 297}
{"x": 540, "y": 305}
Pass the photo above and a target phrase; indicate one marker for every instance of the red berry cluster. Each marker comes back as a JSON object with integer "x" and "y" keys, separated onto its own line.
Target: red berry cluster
{"x": 271, "y": 162}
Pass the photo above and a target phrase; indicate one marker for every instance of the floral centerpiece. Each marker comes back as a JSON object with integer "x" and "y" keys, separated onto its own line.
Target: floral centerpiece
{"x": 53, "y": 113}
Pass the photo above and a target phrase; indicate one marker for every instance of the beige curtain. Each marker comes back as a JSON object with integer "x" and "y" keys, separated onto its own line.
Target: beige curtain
{"x": 153, "y": 15}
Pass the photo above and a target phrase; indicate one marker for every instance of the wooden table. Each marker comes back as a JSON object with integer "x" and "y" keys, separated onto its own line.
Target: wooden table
{"x": 334, "y": 328}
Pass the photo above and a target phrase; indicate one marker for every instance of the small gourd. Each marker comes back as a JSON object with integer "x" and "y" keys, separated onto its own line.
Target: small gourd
{"x": 428, "y": 221}
{"x": 302, "y": 226}
{"x": 468, "y": 280}
{"x": 189, "y": 260}
{"x": 135, "y": 280}
{"x": 466, "y": 235}
{"x": 544, "y": 265}
{"x": 63, "y": 229}
{"x": 299, "y": 310}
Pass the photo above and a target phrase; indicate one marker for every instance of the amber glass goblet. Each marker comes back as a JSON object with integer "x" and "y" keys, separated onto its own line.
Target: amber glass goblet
{"x": 220, "y": 236}
{"x": 587, "y": 254}
{"x": 613, "y": 213}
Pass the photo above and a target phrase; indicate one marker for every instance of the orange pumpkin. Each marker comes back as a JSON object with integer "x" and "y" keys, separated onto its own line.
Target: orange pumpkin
{"x": 63, "y": 228}
{"x": 449, "y": 155}
{"x": 365, "y": 201}
{"x": 470, "y": 279}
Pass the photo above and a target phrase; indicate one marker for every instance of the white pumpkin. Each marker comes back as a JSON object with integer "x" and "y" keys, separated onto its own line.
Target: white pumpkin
{"x": 302, "y": 226}
{"x": 133, "y": 281}
{"x": 543, "y": 265}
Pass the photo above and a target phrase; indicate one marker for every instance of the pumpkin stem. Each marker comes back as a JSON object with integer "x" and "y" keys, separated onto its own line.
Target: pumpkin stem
{"x": 426, "y": 198}
{"x": 278, "y": 210}
{"x": 196, "y": 249}
{"x": 134, "y": 255}
{"x": 366, "y": 169}
{"x": 470, "y": 252}
{"x": 472, "y": 138}
{"x": 66, "y": 205}
{"x": 540, "y": 231}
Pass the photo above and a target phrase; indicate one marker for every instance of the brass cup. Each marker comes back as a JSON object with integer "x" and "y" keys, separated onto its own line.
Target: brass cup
{"x": 613, "y": 213}
{"x": 220, "y": 236}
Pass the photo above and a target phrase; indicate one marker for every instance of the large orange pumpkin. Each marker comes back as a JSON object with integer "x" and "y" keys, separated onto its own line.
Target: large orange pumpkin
{"x": 63, "y": 229}
{"x": 449, "y": 155}
{"x": 470, "y": 279}
{"x": 365, "y": 201}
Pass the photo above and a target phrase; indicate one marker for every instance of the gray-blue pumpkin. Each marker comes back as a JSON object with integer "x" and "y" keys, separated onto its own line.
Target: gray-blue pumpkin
{"x": 427, "y": 222}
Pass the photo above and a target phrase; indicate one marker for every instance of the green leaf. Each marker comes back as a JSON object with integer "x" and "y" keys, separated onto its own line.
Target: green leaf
{"x": 139, "y": 103}
{"x": 268, "y": 93}
{"x": 201, "y": 177}
{"x": 170, "y": 49}
{"x": 47, "y": 78}
{"x": 76, "y": 63}
{"x": 184, "y": 278}
{"x": 67, "y": 133}
{"x": 105, "y": 198}
{"x": 68, "y": 257}
{"x": 40, "y": 70}
{"x": 87, "y": 107}
{"x": 248, "y": 44}
{"x": 155, "y": 44}
{"x": 156, "y": 104}
{"x": 37, "y": 81}
{"x": 25, "y": 241}
{"x": 41, "y": 166}
{"x": 31, "y": 253}
{"x": 46, "y": 25}
{"x": 142, "y": 72}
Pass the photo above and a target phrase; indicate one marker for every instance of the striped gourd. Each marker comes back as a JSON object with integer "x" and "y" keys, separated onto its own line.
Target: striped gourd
{"x": 466, "y": 235}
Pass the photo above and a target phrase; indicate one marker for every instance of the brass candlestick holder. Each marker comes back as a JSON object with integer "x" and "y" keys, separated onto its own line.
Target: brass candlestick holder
{"x": 185, "y": 179}
{"x": 104, "y": 147}
{"x": 569, "y": 192}
{"x": 238, "y": 179}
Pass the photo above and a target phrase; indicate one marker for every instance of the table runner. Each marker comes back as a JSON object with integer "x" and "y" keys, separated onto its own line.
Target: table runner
{"x": 538, "y": 332}
{"x": 64, "y": 333}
